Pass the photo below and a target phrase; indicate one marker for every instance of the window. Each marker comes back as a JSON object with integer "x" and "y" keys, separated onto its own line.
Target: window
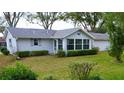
{"x": 60, "y": 44}
{"x": 78, "y": 33}
{"x": 85, "y": 43}
{"x": 10, "y": 42}
{"x": 70, "y": 44}
{"x": 54, "y": 44}
{"x": 78, "y": 44}
{"x": 35, "y": 42}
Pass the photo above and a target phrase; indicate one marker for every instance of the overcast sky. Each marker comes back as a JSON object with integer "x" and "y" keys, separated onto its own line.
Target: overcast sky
{"x": 57, "y": 25}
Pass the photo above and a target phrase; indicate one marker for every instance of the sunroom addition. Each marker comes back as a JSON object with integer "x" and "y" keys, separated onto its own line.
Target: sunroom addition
{"x": 71, "y": 44}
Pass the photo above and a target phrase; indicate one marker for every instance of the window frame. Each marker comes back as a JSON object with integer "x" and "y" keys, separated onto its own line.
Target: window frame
{"x": 60, "y": 44}
{"x": 77, "y": 44}
{"x": 68, "y": 44}
{"x": 34, "y": 42}
{"x": 86, "y": 44}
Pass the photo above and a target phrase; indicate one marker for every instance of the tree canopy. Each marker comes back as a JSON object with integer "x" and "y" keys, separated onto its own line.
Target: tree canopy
{"x": 115, "y": 26}
{"x": 90, "y": 21}
{"x": 44, "y": 19}
{"x": 12, "y": 18}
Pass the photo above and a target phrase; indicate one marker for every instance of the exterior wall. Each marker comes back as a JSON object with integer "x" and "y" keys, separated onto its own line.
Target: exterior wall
{"x": 26, "y": 45}
{"x": 12, "y": 49}
{"x": 76, "y": 36}
{"x": 103, "y": 45}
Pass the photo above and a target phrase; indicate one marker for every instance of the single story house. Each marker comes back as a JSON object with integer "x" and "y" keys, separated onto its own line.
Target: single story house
{"x": 26, "y": 39}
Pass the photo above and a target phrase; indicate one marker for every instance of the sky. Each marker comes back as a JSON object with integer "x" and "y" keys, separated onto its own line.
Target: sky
{"x": 57, "y": 25}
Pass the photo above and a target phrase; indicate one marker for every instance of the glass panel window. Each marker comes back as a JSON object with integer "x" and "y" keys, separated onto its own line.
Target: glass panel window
{"x": 35, "y": 42}
{"x": 70, "y": 44}
{"x": 78, "y": 43}
{"x": 60, "y": 44}
{"x": 86, "y": 44}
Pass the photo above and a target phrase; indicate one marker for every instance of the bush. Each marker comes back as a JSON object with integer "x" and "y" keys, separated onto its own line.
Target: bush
{"x": 96, "y": 77}
{"x": 23, "y": 53}
{"x": 81, "y": 71}
{"x": 20, "y": 72}
{"x": 82, "y": 52}
{"x": 73, "y": 53}
{"x": 4, "y": 51}
{"x": 61, "y": 53}
{"x": 31, "y": 53}
{"x": 96, "y": 49}
{"x": 39, "y": 53}
{"x": 49, "y": 77}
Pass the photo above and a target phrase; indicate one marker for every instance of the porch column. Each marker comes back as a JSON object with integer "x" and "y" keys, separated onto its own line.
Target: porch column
{"x": 74, "y": 44}
{"x": 64, "y": 44}
{"x": 90, "y": 44}
{"x": 56, "y": 45}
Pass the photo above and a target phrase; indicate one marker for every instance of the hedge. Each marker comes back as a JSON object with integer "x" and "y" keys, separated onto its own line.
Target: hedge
{"x": 31, "y": 53}
{"x": 23, "y": 53}
{"x": 82, "y": 52}
{"x": 70, "y": 53}
{"x": 61, "y": 53}
{"x": 39, "y": 53}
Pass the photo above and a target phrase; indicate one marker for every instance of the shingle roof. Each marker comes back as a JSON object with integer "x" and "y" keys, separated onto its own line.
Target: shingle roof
{"x": 100, "y": 36}
{"x": 42, "y": 33}
{"x": 64, "y": 33}
{"x": 31, "y": 33}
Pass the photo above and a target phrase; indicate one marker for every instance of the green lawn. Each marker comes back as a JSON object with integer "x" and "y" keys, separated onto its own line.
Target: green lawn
{"x": 58, "y": 67}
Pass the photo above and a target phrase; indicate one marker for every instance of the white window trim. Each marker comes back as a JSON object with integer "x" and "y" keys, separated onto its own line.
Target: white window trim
{"x": 86, "y": 44}
{"x": 78, "y": 44}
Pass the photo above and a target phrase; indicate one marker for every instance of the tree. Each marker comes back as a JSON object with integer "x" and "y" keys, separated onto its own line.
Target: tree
{"x": 44, "y": 19}
{"x": 115, "y": 25}
{"x": 12, "y": 18}
{"x": 2, "y": 25}
{"x": 90, "y": 21}
{"x": 2, "y": 29}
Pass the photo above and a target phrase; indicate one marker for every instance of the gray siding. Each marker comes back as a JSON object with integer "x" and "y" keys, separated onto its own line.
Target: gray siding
{"x": 26, "y": 45}
{"x": 12, "y": 49}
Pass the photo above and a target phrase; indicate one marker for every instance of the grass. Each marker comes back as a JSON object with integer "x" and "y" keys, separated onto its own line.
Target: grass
{"x": 58, "y": 67}
{"x": 6, "y": 60}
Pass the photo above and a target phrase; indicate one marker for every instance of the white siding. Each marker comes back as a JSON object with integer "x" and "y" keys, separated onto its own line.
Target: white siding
{"x": 103, "y": 45}
{"x": 26, "y": 45}
{"x": 12, "y": 49}
{"x": 76, "y": 36}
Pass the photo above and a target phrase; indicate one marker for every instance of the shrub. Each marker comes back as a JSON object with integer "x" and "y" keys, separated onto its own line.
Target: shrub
{"x": 61, "y": 53}
{"x": 81, "y": 71}
{"x": 23, "y": 53}
{"x": 4, "y": 51}
{"x": 96, "y": 49}
{"x": 49, "y": 77}
{"x": 20, "y": 72}
{"x": 73, "y": 53}
{"x": 82, "y": 52}
{"x": 31, "y": 53}
{"x": 96, "y": 77}
{"x": 39, "y": 53}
